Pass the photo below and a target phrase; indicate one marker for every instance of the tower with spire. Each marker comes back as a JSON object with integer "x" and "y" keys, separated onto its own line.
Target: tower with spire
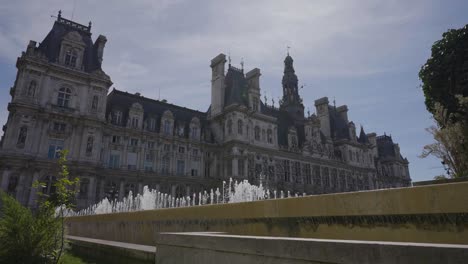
{"x": 291, "y": 101}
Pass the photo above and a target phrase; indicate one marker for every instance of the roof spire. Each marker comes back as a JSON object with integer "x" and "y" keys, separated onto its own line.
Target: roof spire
{"x": 59, "y": 14}
{"x": 242, "y": 63}
{"x": 229, "y": 58}
{"x": 287, "y": 48}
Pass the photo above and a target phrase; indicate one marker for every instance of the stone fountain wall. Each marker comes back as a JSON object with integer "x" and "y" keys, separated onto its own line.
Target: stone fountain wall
{"x": 426, "y": 214}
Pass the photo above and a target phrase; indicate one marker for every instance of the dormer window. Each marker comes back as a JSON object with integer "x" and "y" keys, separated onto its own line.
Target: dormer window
{"x": 63, "y": 98}
{"x": 117, "y": 117}
{"x": 269, "y": 136}
{"x": 167, "y": 127}
{"x": 70, "y": 58}
{"x": 135, "y": 122}
{"x": 152, "y": 124}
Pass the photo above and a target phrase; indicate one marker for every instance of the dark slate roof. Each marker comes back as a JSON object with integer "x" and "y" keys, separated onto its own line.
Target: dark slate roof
{"x": 338, "y": 126}
{"x": 385, "y": 146}
{"x": 284, "y": 122}
{"x": 50, "y": 46}
{"x": 236, "y": 87}
{"x": 119, "y": 100}
{"x": 363, "y": 137}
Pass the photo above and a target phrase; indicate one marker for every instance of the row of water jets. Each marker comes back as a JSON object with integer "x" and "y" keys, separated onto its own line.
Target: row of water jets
{"x": 232, "y": 192}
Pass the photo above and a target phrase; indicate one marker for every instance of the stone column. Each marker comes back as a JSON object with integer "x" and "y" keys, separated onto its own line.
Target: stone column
{"x": 5, "y": 179}
{"x": 33, "y": 195}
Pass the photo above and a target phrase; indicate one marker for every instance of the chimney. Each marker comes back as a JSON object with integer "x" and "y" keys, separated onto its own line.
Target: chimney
{"x": 321, "y": 106}
{"x": 31, "y": 47}
{"x": 99, "y": 45}
{"x": 217, "y": 84}
{"x": 343, "y": 112}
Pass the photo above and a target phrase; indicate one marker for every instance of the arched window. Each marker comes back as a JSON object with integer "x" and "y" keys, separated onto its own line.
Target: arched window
{"x": 255, "y": 104}
{"x": 63, "y": 98}
{"x": 263, "y": 135}
{"x": 257, "y": 133}
{"x": 294, "y": 141}
{"x": 229, "y": 125}
{"x": 89, "y": 146}
{"x": 269, "y": 136}
{"x": 94, "y": 104}
{"x": 32, "y": 89}
{"x": 70, "y": 58}
{"x": 23, "y": 133}
{"x": 240, "y": 127}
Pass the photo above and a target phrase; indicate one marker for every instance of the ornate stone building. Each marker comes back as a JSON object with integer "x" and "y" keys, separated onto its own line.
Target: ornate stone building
{"x": 119, "y": 142}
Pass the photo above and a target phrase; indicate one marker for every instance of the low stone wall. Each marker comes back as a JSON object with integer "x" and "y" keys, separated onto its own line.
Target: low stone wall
{"x": 425, "y": 214}
{"x": 191, "y": 248}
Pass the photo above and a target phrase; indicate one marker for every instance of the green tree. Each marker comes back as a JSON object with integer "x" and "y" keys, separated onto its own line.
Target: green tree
{"x": 445, "y": 73}
{"x": 39, "y": 237}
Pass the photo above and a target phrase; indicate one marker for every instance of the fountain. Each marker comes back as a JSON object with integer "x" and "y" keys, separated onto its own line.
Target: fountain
{"x": 150, "y": 199}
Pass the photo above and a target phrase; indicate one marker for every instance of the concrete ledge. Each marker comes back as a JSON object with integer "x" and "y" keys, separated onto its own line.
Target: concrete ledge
{"x": 425, "y": 214}
{"x": 112, "y": 251}
{"x": 222, "y": 248}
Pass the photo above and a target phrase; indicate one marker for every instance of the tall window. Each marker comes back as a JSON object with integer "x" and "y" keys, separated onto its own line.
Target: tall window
{"x": 240, "y": 167}
{"x": 317, "y": 178}
{"x": 135, "y": 122}
{"x": 94, "y": 104}
{"x": 194, "y": 132}
{"x": 255, "y": 104}
{"x": 134, "y": 142}
{"x": 257, "y": 133}
{"x": 240, "y": 127}
{"x": 297, "y": 172}
{"x": 117, "y": 117}
{"x": 287, "y": 172}
{"x": 269, "y": 136}
{"x": 167, "y": 127}
{"x": 165, "y": 165}
{"x": 63, "y": 98}
{"x": 152, "y": 124}
{"x": 32, "y": 89}
{"x": 114, "y": 161}
{"x": 89, "y": 146}
{"x": 84, "y": 186}
{"x": 180, "y": 167}
{"x": 49, "y": 185}
{"x": 229, "y": 125}
{"x": 55, "y": 145}
{"x": 294, "y": 141}
{"x": 23, "y": 133}
{"x": 308, "y": 174}
{"x": 70, "y": 58}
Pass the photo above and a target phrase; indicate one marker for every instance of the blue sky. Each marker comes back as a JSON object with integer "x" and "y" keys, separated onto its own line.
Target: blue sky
{"x": 365, "y": 54}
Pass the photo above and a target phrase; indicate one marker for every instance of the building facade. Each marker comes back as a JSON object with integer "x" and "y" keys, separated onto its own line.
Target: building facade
{"x": 118, "y": 142}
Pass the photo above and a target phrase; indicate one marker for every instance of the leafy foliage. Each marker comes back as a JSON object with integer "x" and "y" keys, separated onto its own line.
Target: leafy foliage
{"x": 451, "y": 138}
{"x": 445, "y": 74}
{"x": 39, "y": 237}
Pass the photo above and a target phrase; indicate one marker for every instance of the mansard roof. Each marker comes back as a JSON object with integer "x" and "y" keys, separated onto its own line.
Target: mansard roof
{"x": 236, "y": 87}
{"x": 50, "y": 46}
{"x": 338, "y": 126}
{"x": 285, "y": 121}
{"x": 385, "y": 146}
{"x": 119, "y": 100}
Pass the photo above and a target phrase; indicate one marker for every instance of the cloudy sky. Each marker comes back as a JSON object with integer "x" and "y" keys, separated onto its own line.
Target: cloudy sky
{"x": 363, "y": 53}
